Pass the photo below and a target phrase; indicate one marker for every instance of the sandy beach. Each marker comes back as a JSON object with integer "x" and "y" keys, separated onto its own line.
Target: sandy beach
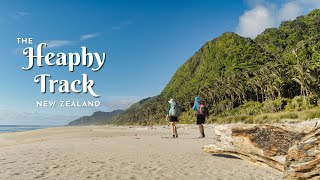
{"x": 108, "y": 152}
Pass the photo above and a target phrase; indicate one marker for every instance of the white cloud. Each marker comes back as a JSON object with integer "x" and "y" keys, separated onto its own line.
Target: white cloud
{"x": 13, "y": 17}
{"x": 58, "y": 43}
{"x": 128, "y": 22}
{"x": 50, "y": 44}
{"x": 89, "y": 36}
{"x": 254, "y": 21}
{"x": 19, "y": 14}
{"x": 122, "y": 24}
{"x": 115, "y": 27}
{"x": 61, "y": 43}
{"x": 22, "y": 13}
{"x": 264, "y": 14}
{"x": 289, "y": 11}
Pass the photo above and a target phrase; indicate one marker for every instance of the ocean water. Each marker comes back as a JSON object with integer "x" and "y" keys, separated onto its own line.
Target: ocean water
{"x": 19, "y": 128}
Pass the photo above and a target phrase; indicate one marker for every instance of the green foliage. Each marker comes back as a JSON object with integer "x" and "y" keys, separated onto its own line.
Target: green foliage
{"x": 299, "y": 103}
{"x": 187, "y": 117}
{"x": 310, "y": 114}
{"x": 240, "y": 77}
{"x": 274, "y": 105}
{"x": 248, "y": 108}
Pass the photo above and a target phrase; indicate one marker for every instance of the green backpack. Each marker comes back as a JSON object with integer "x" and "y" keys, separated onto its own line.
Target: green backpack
{"x": 175, "y": 110}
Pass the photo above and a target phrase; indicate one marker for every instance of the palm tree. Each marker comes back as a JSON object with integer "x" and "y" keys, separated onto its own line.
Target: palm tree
{"x": 303, "y": 77}
{"x": 252, "y": 82}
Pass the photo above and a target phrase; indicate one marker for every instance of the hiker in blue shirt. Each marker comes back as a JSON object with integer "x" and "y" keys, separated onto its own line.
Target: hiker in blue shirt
{"x": 201, "y": 113}
{"x": 196, "y": 104}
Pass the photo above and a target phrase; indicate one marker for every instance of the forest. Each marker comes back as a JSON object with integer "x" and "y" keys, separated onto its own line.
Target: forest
{"x": 242, "y": 78}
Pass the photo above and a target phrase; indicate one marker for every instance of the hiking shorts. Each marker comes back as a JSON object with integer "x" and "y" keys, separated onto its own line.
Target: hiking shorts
{"x": 173, "y": 119}
{"x": 201, "y": 119}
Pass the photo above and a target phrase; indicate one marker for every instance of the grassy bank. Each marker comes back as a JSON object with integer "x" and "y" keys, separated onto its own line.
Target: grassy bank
{"x": 275, "y": 117}
{"x": 251, "y": 112}
{"x": 189, "y": 117}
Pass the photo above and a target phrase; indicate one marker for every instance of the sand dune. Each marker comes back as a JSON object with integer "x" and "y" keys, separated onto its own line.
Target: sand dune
{"x": 119, "y": 153}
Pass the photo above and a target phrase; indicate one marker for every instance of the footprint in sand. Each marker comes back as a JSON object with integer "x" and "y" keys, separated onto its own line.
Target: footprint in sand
{"x": 55, "y": 166}
{"x": 15, "y": 174}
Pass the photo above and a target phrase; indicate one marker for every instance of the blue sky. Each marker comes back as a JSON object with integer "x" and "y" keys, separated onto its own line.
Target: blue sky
{"x": 145, "y": 43}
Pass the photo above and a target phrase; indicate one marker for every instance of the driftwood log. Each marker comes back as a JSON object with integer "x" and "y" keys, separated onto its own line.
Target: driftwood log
{"x": 285, "y": 147}
{"x": 303, "y": 159}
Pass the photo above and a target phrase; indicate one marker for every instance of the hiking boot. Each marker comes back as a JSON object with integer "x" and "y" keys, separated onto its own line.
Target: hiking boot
{"x": 202, "y": 135}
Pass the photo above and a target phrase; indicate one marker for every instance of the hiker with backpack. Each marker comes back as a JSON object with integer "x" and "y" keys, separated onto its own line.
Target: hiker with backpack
{"x": 201, "y": 114}
{"x": 173, "y": 113}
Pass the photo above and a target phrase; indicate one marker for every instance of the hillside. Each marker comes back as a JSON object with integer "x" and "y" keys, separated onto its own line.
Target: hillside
{"x": 97, "y": 118}
{"x": 277, "y": 70}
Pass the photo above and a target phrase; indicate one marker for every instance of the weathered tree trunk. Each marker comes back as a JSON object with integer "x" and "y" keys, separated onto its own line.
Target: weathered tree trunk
{"x": 290, "y": 148}
{"x": 303, "y": 159}
{"x": 258, "y": 143}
